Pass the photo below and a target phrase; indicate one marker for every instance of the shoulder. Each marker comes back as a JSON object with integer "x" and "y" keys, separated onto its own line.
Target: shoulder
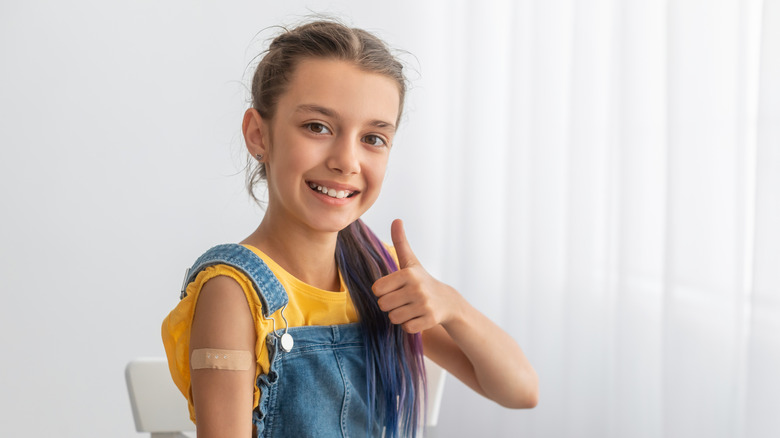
{"x": 222, "y": 279}
{"x": 222, "y": 313}
{"x": 224, "y": 291}
{"x": 217, "y": 293}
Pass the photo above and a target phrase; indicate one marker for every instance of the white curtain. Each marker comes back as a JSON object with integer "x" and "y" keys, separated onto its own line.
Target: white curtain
{"x": 612, "y": 172}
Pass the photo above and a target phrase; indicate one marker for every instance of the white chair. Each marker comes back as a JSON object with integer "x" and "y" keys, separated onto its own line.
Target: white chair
{"x": 160, "y": 409}
{"x": 158, "y": 406}
{"x": 436, "y": 376}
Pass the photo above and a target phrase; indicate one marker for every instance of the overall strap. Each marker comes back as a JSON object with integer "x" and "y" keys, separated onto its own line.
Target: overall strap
{"x": 271, "y": 293}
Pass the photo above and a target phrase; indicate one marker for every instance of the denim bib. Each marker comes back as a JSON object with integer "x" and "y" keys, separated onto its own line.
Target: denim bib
{"x": 316, "y": 389}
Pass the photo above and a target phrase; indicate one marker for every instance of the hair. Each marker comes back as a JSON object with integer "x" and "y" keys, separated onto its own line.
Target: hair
{"x": 395, "y": 371}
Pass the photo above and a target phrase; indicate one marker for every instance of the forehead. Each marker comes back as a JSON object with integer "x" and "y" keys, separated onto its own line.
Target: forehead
{"x": 353, "y": 93}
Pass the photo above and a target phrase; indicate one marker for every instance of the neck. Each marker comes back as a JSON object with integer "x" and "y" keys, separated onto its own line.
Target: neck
{"x": 307, "y": 254}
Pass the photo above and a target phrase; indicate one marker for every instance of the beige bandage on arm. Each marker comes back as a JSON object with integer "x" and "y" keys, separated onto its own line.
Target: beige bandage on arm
{"x": 213, "y": 358}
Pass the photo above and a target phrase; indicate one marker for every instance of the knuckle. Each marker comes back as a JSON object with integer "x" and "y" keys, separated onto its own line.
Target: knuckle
{"x": 393, "y": 317}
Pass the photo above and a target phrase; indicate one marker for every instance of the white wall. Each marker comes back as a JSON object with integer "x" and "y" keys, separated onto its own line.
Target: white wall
{"x": 121, "y": 161}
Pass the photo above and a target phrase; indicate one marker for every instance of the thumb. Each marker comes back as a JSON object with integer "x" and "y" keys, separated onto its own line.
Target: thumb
{"x": 406, "y": 257}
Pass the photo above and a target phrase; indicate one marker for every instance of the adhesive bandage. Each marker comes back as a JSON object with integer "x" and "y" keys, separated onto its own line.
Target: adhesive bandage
{"x": 213, "y": 358}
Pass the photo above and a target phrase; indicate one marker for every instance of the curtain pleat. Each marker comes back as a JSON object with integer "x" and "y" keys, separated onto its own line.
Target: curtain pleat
{"x": 619, "y": 162}
{"x": 762, "y": 395}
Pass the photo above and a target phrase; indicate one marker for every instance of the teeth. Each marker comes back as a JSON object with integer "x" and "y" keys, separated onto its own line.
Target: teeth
{"x": 333, "y": 193}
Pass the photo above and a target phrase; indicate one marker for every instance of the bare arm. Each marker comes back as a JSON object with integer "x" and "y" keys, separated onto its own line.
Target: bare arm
{"x": 456, "y": 335}
{"x": 484, "y": 357}
{"x": 222, "y": 398}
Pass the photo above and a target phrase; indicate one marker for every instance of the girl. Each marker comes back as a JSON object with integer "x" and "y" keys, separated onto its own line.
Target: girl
{"x": 311, "y": 326}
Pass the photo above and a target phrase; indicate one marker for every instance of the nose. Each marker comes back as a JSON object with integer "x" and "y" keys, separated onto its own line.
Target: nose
{"x": 344, "y": 157}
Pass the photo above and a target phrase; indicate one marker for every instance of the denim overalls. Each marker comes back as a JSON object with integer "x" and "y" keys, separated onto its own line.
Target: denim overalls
{"x": 318, "y": 387}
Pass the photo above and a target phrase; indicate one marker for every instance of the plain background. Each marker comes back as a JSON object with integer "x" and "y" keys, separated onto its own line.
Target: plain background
{"x": 122, "y": 161}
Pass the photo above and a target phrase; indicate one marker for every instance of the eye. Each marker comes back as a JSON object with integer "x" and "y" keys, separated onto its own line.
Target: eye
{"x": 317, "y": 128}
{"x": 375, "y": 140}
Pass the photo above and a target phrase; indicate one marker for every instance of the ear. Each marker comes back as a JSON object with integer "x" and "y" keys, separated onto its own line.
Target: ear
{"x": 255, "y": 131}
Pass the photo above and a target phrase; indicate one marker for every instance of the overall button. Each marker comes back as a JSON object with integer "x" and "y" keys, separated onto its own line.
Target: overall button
{"x": 287, "y": 342}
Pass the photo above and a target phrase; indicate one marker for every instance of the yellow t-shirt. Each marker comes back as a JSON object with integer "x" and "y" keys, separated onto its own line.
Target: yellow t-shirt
{"x": 307, "y": 305}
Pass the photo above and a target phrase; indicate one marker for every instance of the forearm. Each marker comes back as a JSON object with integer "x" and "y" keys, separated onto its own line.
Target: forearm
{"x": 499, "y": 366}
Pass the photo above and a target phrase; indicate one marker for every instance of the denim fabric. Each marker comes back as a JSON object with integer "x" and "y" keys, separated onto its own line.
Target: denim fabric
{"x": 269, "y": 290}
{"x": 317, "y": 389}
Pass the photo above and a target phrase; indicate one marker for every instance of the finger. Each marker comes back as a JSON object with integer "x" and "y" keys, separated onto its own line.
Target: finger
{"x": 389, "y": 283}
{"x": 406, "y": 257}
{"x": 404, "y": 314}
{"x": 418, "y": 325}
{"x": 393, "y": 301}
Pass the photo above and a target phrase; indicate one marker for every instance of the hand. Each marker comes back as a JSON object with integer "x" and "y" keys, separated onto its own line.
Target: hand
{"x": 411, "y": 296}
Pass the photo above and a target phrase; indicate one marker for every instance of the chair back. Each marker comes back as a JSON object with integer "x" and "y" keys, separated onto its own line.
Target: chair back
{"x": 158, "y": 406}
{"x": 436, "y": 376}
{"x": 160, "y": 409}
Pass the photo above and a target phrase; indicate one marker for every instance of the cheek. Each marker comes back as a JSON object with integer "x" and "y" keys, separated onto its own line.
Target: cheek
{"x": 375, "y": 173}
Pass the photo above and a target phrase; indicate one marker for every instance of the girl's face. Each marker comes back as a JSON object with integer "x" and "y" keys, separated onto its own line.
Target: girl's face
{"x": 328, "y": 144}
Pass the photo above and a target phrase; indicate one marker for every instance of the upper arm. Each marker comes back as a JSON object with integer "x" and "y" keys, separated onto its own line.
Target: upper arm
{"x": 223, "y": 399}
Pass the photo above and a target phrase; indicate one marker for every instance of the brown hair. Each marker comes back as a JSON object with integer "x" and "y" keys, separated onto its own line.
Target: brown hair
{"x": 319, "y": 39}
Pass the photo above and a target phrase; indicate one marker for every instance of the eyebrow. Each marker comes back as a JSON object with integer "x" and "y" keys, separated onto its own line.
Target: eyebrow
{"x": 328, "y": 112}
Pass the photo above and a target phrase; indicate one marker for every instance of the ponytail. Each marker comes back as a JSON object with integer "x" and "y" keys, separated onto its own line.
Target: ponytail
{"x": 394, "y": 358}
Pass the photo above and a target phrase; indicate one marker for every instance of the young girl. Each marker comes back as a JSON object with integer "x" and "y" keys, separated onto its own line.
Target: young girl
{"x": 311, "y": 326}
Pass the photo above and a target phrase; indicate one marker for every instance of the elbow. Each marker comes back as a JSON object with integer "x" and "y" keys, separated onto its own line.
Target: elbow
{"x": 526, "y": 400}
{"x": 526, "y": 396}
{"x": 531, "y": 400}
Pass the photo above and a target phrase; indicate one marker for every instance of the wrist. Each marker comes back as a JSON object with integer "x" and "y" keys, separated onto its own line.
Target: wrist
{"x": 458, "y": 307}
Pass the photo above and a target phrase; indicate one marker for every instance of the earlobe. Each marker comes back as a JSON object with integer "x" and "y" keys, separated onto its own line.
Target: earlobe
{"x": 255, "y": 132}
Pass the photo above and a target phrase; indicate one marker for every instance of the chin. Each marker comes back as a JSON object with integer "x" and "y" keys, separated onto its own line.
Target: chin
{"x": 333, "y": 226}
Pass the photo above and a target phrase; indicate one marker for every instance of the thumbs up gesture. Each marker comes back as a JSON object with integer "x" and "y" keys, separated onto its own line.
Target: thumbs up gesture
{"x": 411, "y": 296}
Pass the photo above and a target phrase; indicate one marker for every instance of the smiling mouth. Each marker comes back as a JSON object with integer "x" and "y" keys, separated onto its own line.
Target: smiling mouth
{"x": 333, "y": 193}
